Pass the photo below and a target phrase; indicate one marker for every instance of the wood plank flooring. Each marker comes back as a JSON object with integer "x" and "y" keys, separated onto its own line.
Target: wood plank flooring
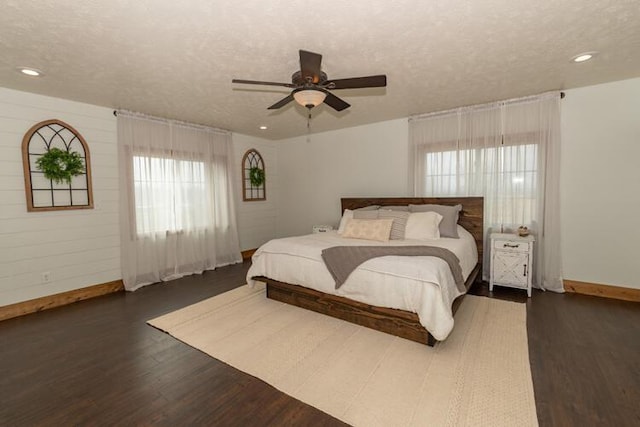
{"x": 96, "y": 362}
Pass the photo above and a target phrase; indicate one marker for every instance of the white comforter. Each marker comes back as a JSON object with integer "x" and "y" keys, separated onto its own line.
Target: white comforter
{"x": 422, "y": 285}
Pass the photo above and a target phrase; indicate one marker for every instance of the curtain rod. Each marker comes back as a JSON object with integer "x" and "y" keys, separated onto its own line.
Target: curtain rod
{"x": 169, "y": 121}
{"x": 488, "y": 105}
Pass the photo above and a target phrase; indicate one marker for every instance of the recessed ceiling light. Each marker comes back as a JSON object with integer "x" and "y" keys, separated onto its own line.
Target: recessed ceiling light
{"x": 583, "y": 57}
{"x": 30, "y": 71}
{"x": 263, "y": 127}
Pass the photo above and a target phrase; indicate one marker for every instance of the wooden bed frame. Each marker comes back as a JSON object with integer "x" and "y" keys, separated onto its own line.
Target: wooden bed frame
{"x": 396, "y": 322}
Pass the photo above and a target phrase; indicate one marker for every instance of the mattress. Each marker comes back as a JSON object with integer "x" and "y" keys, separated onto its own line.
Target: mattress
{"x": 422, "y": 285}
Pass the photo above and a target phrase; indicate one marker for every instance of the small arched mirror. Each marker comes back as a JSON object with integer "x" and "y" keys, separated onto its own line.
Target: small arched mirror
{"x": 253, "y": 177}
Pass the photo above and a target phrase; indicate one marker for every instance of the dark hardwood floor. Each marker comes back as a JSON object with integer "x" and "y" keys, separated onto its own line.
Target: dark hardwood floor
{"x": 97, "y": 362}
{"x": 585, "y": 357}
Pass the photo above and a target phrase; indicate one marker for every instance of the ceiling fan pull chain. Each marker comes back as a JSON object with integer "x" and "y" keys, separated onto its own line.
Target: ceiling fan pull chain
{"x": 309, "y": 126}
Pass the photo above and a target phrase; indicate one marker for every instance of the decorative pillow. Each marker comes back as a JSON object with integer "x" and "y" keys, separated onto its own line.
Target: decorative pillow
{"x": 423, "y": 225}
{"x": 368, "y": 229}
{"x": 448, "y": 225}
{"x": 399, "y": 222}
{"x": 370, "y": 214}
{"x": 347, "y": 215}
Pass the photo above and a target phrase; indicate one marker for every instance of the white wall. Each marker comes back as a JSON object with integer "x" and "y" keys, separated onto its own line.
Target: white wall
{"x": 305, "y": 180}
{"x": 256, "y": 220}
{"x": 78, "y": 248}
{"x": 601, "y": 184}
{"x": 361, "y": 161}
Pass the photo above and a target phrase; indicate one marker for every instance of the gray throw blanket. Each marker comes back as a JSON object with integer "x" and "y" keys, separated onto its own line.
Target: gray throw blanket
{"x": 342, "y": 260}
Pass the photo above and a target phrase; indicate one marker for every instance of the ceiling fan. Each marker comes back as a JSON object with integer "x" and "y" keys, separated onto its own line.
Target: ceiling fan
{"x": 311, "y": 86}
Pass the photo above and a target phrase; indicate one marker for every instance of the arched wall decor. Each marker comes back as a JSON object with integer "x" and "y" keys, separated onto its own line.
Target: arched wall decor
{"x": 252, "y": 161}
{"x": 44, "y": 194}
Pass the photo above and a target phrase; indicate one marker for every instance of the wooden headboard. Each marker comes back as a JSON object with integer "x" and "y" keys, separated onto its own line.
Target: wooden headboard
{"x": 471, "y": 217}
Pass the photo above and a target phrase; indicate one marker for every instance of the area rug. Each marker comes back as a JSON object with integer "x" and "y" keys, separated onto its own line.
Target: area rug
{"x": 478, "y": 376}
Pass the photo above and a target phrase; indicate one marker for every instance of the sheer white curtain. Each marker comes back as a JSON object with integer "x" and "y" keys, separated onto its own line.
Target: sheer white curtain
{"x": 508, "y": 152}
{"x": 176, "y": 200}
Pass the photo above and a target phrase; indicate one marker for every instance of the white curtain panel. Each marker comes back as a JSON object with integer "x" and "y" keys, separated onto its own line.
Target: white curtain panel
{"x": 176, "y": 200}
{"x": 508, "y": 152}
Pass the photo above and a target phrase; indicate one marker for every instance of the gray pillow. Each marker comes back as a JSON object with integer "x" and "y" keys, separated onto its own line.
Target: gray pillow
{"x": 396, "y": 208}
{"x": 449, "y": 224}
{"x": 399, "y": 222}
{"x": 365, "y": 214}
{"x": 368, "y": 208}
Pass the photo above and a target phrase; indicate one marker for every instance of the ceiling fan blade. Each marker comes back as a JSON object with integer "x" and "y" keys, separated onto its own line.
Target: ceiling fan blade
{"x": 336, "y": 103}
{"x": 255, "y": 82}
{"x": 281, "y": 103}
{"x": 310, "y": 65}
{"x": 357, "y": 82}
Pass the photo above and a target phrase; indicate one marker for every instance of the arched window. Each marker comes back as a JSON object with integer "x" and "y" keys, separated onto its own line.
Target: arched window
{"x": 45, "y": 194}
{"x": 253, "y": 177}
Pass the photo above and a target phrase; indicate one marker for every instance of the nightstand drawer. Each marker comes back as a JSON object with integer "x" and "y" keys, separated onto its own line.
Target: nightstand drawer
{"x": 511, "y": 246}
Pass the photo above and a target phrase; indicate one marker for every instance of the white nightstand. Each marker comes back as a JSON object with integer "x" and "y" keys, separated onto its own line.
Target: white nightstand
{"x": 511, "y": 261}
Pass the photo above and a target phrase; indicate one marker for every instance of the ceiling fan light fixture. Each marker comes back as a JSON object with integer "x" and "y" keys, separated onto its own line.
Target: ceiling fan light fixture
{"x": 311, "y": 86}
{"x": 309, "y": 98}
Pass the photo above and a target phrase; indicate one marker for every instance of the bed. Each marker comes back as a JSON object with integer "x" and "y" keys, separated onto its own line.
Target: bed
{"x": 389, "y": 294}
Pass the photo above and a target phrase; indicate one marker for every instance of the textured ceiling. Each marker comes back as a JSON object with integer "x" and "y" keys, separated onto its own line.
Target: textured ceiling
{"x": 176, "y": 59}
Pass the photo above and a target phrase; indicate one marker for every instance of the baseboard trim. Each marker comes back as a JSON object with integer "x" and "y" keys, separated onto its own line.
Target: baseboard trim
{"x": 605, "y": 291}
{"x": 248, "y": 254}
{"x": 57, "y": 300}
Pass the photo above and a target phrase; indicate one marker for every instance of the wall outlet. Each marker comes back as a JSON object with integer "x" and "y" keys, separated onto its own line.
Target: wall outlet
{"x": 46, "y": 277}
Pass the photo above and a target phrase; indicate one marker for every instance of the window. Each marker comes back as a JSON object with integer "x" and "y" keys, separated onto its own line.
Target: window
{"x": 170, "y": 195}
{"x": 508, "y": 152}
{"x": 508, "y": 174}
{"x": 177, "y": 201}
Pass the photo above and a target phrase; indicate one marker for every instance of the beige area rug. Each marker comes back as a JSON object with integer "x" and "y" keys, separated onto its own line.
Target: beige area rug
{"x": 479, "y": 376}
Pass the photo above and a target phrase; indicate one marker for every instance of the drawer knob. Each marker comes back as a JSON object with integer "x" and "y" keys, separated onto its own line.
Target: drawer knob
{"x": 511, "y": 245}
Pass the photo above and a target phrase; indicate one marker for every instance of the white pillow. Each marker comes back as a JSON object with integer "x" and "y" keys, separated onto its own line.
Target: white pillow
{"x": 423, "y": 226}
{"x": 347, "y": 215}
{"x": 368, "y": 229}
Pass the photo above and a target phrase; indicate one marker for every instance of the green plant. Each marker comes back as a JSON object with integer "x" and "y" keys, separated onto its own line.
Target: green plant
{"x": 256, "y": 176}
{"x": 60, "y": 166}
